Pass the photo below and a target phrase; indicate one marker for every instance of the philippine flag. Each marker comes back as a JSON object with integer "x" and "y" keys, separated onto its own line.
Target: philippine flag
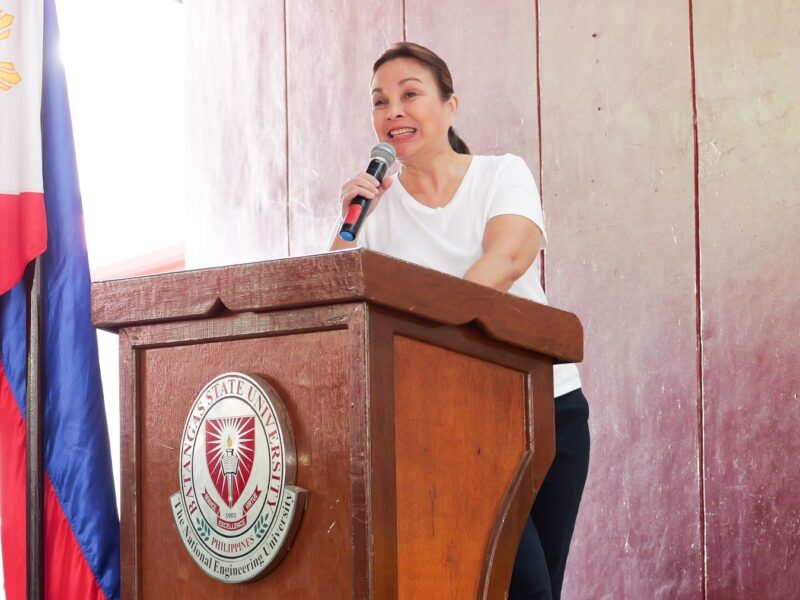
{"x": 38, "y": 177}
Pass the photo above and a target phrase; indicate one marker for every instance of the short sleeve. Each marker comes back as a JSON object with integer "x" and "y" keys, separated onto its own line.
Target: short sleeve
{"x": 515, "y": 193}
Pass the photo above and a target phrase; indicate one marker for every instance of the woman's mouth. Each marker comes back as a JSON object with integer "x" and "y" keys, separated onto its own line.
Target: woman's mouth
{"x": 402, "y": 133}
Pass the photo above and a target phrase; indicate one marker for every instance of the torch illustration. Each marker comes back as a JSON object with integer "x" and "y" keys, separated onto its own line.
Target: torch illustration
{"x": 230, "y": 467}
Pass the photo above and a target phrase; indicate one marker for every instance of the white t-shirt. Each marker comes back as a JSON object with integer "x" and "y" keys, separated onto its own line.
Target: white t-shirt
{"x": 450, "y": 238}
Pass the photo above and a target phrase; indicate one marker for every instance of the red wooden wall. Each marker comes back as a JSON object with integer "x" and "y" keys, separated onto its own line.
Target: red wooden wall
{"x": 747, "y": 58}
{"x": 665, "y": 138}
{"x": 618, "y": 183}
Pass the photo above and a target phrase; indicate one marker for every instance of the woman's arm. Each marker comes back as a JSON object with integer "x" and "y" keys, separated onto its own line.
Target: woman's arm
{"x": 510, "y": 245}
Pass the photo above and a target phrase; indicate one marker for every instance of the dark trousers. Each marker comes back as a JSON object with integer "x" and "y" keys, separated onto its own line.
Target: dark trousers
{"x": 542, "y": 555}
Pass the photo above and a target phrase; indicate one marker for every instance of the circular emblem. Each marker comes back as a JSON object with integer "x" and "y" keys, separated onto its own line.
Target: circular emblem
{"x": 238, "y": 508}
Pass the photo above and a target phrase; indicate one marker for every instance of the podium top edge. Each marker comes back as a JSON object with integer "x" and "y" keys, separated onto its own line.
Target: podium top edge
{"x": 356, "y": 275}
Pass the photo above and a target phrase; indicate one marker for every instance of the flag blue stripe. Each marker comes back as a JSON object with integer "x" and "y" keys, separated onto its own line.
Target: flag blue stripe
{"x": 77, "y": 451}
{"x": 13, "y": 345}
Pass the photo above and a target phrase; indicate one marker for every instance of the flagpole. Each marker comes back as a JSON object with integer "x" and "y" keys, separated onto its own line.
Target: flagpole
{"x": 35, "y": 442}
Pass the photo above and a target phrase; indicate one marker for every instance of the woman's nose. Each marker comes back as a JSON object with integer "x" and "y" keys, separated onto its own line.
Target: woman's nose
{"x": 394, "y": 111}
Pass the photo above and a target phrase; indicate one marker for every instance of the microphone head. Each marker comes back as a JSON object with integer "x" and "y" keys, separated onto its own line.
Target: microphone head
{"x": 384, "y": 152}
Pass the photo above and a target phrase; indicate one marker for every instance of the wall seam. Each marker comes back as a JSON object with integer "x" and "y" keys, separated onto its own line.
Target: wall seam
{"x": 286, "y": 104}
{"x": 542, "y": 254}
{"x": 698, "y": 318}
{"x": 405, "y": 21}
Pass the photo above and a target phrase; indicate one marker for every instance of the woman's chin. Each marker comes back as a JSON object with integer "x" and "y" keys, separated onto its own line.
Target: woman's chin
{"x": 404, "y": 149}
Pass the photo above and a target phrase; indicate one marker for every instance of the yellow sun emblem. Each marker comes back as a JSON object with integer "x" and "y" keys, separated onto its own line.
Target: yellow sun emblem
{"x": 8, "y": 72}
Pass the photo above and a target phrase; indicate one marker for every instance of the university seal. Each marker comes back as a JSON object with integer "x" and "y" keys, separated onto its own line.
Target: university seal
{"x": 237, "y": 509}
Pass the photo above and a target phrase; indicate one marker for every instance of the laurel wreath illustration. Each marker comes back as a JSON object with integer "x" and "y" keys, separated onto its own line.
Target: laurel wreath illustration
{"x": 261, "y": 526}
{"x": 203, "y": 530}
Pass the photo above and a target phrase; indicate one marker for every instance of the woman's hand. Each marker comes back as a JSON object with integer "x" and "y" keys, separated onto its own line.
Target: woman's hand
{"x": 364, "y": 185}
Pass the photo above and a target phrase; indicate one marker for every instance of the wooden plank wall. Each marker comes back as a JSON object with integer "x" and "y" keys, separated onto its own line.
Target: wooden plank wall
{"x": 618, "y": 183}
{"x": 236, "y": 161}
{"x": 668, "y": 163}
{"x": 748, "y": 104}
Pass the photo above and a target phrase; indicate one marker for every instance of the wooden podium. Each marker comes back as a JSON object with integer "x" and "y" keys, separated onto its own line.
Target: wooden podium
{"x": 421, "y": 406}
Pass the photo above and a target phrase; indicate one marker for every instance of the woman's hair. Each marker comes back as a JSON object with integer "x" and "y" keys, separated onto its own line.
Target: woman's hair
{"x": 438, "y": 69}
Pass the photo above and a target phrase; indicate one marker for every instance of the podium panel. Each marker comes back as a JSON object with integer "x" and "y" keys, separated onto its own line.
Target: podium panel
{"x": 309, "y": 369}
{"x": 459, "y": 440}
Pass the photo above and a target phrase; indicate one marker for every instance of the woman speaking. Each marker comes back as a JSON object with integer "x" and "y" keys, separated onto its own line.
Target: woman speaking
{"x": 480, "y": 218}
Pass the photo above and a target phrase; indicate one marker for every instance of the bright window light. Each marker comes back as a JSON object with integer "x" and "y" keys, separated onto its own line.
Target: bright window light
{"x": 124, "y": 61}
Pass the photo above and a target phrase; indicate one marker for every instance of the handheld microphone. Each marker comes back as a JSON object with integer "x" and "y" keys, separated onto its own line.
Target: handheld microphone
{"x": 381, "y": 158}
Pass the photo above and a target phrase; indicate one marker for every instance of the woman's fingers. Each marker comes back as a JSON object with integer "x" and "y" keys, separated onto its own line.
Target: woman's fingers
{"x": 364, "y": 185}
{"x": 364, "y": 180}
{"x": 360, "y": 185}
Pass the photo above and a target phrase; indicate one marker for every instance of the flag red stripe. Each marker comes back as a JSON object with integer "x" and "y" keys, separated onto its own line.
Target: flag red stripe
{"x": 65, "y": 563}
{"x": 23, "y": 234}
{"x": 12, "y": 491}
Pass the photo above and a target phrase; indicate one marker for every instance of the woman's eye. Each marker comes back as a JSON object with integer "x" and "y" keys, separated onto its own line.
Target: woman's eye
{"x": 378, "y": 102}
{"x": 411, "y": 94}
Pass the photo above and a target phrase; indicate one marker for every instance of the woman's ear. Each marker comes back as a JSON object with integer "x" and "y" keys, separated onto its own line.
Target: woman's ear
{"x": 452, "y": 106}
